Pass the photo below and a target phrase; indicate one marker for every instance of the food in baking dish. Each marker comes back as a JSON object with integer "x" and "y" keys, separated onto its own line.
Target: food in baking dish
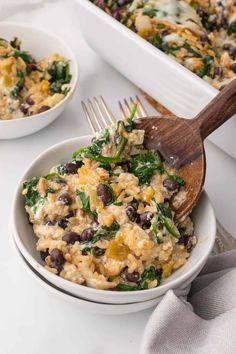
{"x": 106, "y": 218}
{"x": 199, "y": 34}
{"x": 27, "y": 86}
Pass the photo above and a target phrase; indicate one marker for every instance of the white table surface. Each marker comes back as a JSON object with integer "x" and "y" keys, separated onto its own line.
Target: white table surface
{"x": 31, "y": 321}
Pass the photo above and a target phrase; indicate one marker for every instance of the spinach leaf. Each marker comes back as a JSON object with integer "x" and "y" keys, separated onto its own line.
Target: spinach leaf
{"x": 150, "y": 12}
{"x": 85, "y": 203}
{"x": 191, "y": 50}
{"x": 145, "y": 165}
{"x": 60, "y": 74}
{"x": 232, "y": 28}
{"x": 129, "y": 126}
{"x": 148, "y": 275}
{"x": 164, "y": 214}
{"x": 51, "y": 175}
{"x": 126, "y": 287}
{"x": 121, "y": 145}
{"x": 96, "y": 146}
{"x": 114, "y": 227}
{"x": 23, "y": 55}
{"x": 32, "y": 196}
{"x": 176, "y": 178}
{"x": 15, "y": 43}
{"x": 206, "y": 68}
{"x": 104, "y": 232}
{"x": 50, "y": 190}
{"x": 61, "y": 169}
{"x": 16, "y": 90}
{"x": 154, "y": 228}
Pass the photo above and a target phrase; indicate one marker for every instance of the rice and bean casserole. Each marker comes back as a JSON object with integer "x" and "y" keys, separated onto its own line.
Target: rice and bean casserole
{"x": 199, "y": 34}
{"x": 27, "y": 86}
{"x": 106, "y": 218}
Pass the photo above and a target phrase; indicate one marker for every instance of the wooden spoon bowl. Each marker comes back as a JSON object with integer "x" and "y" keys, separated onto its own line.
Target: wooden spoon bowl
{"x": 180, "y": 141}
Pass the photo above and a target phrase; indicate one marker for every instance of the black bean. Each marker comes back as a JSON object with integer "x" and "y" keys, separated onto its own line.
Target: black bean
{"x": 51, "y": 222}
{"x": 165, "y": 32}
{"x": 232, "y": 52}
{"x": 44, "y": 254}
{"x": 125, "y": 166}
{"x": 233, "y": 67}
{"x": 132, "y": 277}
{"x": 70, "y": 215}
{"x": 124, "y": 2}
{"x": 184, "y": 239}
{"x": 97, "y": 251}
{"x": 190, "y": 244}
{"x": 218, "y": 70}
{"x": 145, "y": 219}
{"x": 87, "y": 234}
{"x": 65, "y": 198}
{"x": 62, "y": 223}
{"x": 227, "y": 46}
{"x": 204, "y": 38}
{"x": 57, "y": 259}
{"x": 43, "y": 109}
{"x": 224, "y": 22}
{"x": 135, "y": 203}
{"x": 29, "y": 101}
{"x": 32, "y": 67}
{"x": 24, "y": 108}
{"x": 171, "y": 184}
{"x": 72, "y": 167}
{"x": 71, "y": 237}
{"x": 201, "y": 12}
{"x": 131, "y": 212}
{"x": 104, "y": 193}
{"x": 58, "y": 180}
{"x": 116, "y": 14}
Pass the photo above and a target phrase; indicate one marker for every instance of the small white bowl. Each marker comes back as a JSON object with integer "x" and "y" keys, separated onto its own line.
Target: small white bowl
{"x": 86, "y": 305}
{"x": 40, "y": 44}
{"x": 203, "y": 216}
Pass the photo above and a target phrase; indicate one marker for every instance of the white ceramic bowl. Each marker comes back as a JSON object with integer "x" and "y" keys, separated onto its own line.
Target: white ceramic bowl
{"x": 82, "y": 304}
{"x": 41, "y": 44}
{"x": 163, "y": 78}
{"x": 203, "y": 216}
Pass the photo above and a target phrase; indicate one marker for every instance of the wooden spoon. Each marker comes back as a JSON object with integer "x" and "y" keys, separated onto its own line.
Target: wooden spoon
{"x": 180, "y": 141}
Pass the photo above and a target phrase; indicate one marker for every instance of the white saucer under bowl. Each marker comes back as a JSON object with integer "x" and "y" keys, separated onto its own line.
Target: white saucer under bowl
{"x": 92, "y": 307}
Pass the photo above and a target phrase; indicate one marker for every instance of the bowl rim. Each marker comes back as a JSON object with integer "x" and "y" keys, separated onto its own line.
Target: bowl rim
{"x": 63, "y": 281}
{"x": 72, "y": 58}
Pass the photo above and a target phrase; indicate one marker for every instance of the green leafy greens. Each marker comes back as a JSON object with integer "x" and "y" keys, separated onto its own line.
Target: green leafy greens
{"x": 145, "y": 165}
{"x": 60, "y": 75}
{"x": 206, "y": 68}
{"x": 149, "y": 274}
{"x": 18, "y": 87}
{"x": 165, "y": 217}
{"x": 32, "y": 197}
{"x": 232, "y": 28}
{"x": 23, "y": 55}
{"x": 85, "y": 204}
{"x": 102, "y": 232}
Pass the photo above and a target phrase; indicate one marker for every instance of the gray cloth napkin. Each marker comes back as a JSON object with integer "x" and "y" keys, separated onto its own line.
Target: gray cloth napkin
{"x": 206, "y": 324}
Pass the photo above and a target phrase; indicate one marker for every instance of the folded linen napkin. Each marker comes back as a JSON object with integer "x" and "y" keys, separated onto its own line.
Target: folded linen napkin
{"x": 206, "y": 323}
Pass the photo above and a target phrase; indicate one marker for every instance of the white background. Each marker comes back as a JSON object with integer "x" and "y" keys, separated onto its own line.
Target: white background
{"x": 31, "y": 321}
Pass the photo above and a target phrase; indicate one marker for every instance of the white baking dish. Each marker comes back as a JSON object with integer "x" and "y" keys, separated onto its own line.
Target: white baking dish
{"x": 174, "y": 86}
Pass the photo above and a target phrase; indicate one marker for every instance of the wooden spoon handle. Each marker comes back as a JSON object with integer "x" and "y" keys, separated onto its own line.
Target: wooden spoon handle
{"x": 217, "y": 112}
